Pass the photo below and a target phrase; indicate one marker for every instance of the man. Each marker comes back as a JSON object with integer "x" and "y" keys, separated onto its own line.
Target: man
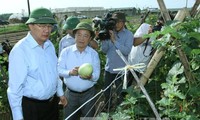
{"x": 33, "y": 77}
{"x": 68, "y": 39}
{"x": 79, "y": 88}
{"x": 142, "y": 52}
{"x": 63, "y": 21}
{"x": 142, "y": 49}
{"x": 121, "y": 39}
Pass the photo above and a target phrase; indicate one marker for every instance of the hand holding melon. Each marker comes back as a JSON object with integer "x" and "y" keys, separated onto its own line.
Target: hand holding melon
{"x": 74, "y": 71}
{"x": 85, "y": 71}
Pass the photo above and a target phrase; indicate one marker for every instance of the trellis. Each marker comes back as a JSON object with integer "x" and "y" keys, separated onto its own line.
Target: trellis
{"x": 160, "y": 52}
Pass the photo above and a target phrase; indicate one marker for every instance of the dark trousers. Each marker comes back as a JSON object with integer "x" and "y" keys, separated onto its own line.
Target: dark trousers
{"x": 75, "y": 100}
{"x": 40, "y": 110}
{"x": 108, "y": 79}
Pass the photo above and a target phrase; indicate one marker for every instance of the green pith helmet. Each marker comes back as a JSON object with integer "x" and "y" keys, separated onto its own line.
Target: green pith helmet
{"x": 84, "y": 26}
{"x": 71, "y": 23}
{"x": 41, "y": 15}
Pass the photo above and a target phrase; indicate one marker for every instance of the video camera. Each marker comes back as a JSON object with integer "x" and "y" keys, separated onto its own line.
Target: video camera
{"x": 105, "y": 25}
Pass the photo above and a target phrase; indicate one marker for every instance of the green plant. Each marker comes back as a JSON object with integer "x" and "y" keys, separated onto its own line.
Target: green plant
{"x": 176, "y": 97}
{"x": 126, "y": 110}
{"x": 4, "y": 106}
{"x": 55, "y": 37}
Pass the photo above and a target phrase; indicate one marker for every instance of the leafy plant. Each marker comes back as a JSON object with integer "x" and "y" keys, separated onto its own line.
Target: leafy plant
{"x": 175, "y": 96}
{"x": 4, "y": 106}
{"x": 176, "y": 101}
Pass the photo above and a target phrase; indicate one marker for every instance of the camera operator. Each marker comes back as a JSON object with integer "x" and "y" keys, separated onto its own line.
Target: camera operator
{"x": 121, "y": 39}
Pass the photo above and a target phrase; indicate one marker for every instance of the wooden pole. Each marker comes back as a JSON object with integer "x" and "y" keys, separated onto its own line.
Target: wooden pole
{"x": 160, "y": 52}
{"x": 182, "y": 14}
{"x": 194, "y": 8}
{"x": 28, "y": 7}
{"x": 164, "y": 10}
{"x": 152, "y": 65}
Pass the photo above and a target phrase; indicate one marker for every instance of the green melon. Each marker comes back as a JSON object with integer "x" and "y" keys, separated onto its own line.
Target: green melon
{"x": 85, "y": 69}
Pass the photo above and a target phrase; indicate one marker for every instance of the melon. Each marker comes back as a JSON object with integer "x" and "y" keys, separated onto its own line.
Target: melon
{"x": 85, "y": 70}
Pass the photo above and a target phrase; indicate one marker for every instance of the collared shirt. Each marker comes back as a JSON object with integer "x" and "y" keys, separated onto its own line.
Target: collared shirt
{"x": 124, "y": 42}
{"x": 71, "y": 57}
{"x": 32, "y": 73}
{"x": 66, "y": 41}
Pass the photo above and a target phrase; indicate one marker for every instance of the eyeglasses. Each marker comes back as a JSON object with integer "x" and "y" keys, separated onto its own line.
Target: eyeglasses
{"x": 85, "y": 36}
{"x": 43, "y": 26}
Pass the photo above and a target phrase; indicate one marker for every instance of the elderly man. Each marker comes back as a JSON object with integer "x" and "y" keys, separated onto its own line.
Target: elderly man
{"x": 79, "y": 88}
{"x": 33, "y": 77}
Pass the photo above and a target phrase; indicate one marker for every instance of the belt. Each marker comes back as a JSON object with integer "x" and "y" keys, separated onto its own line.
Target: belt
{"x": 39, "y": 101}
{"x": 80, "y": 92}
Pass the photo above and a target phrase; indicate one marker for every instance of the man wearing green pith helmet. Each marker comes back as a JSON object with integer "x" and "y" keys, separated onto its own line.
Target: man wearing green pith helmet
{"x": 34, "y": 83}
{"x": 68, "y": 39}
{"x": 80, "y": 88}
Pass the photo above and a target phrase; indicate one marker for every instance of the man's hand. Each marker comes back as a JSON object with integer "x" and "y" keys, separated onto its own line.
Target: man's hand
{"x": 86, "y": 77}
{"x": 63, "y": 101}
{"x": 112, "y": 36}
{"x": 74, "y": 71}
{"x": 150, "y": 29}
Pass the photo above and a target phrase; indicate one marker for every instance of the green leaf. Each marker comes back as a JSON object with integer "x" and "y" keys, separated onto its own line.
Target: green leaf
{"x": 194, "y": 35}
{"x": 194, "y": 91}
{"x": 120, "y": 116}
{"x": 102, "y": 116}
{"x": 176, "y": 69}
{"x": 164, "y": 85}
{"x": 179, "y": 95}
{"x": 182, "y": 80}
{"x": 196, "y": 51}
{"x": 164, "y": 102}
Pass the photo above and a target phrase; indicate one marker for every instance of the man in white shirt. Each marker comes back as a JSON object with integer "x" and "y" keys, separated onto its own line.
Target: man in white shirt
{"x": 79, "y": 88}
{"x": 68, "y": 27}
{"x": 34, "y": 83}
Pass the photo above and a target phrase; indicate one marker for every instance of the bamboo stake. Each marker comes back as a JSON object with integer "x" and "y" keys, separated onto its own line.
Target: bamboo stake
{"x": 184, "y": 61}
{"x": 194, "y": 8}
{"x": 182, "y": 14}
{"x": 152, "y": 65}
{"x": 164, "y": 10}
{"x": 160, "y": 52}
{"x": 141, "y": 86}
{"x": 183, "y": 58}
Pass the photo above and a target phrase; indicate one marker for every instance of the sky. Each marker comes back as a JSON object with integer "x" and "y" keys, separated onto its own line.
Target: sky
{"x": 17, "y": 6}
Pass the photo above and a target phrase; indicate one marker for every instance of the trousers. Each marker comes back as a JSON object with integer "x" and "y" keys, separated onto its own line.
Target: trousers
{"x": 34, "y": 109}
